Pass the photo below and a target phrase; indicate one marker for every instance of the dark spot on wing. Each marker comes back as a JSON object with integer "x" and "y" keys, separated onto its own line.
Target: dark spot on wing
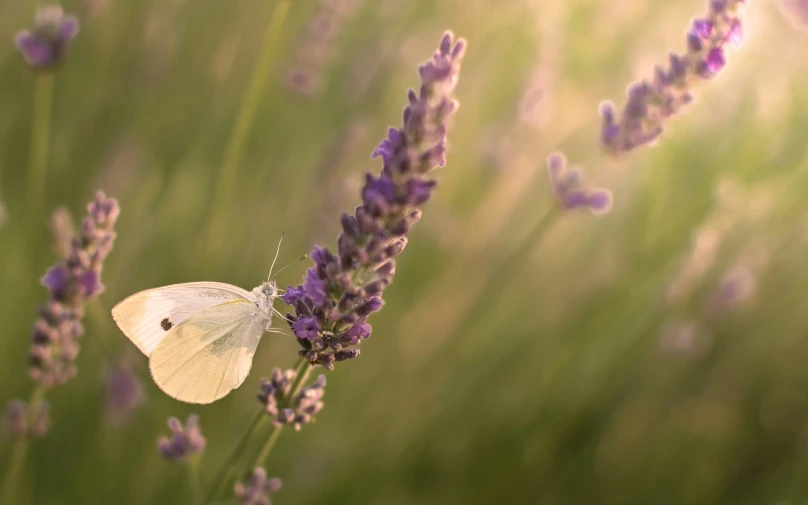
{"x": 166, "y": 324}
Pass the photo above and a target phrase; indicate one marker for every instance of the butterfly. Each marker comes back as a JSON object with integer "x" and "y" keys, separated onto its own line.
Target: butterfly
{"x": 200, "y": 337}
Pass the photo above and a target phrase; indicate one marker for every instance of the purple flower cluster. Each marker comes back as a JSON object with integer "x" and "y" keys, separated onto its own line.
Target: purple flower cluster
{"x": 275, "y": 389}
{"x": 20, "y": 422}
{"x": 258, "y": 489}
{"x": 338, "y": 294}
{"x": 185, "y": 442}
{"x": 315, "y": 49}
{"x": 567, "y": 187}
{"x": 71, "y": 283}
{"x": 652, "y": 101}
{"x": 302, "y": 409}
{"x": 45, "y": 45}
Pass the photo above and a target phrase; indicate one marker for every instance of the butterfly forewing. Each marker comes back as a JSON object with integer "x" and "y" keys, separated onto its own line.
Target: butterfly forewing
{"x": 209, "y": 354}
{"x": 147, "y": 317}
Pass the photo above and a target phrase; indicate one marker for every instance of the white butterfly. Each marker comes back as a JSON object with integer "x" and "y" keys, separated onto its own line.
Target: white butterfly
{"x": 200, "y": 337}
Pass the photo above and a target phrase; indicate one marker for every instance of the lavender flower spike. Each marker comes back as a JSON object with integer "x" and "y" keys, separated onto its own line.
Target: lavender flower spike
{"x": 20, "y": 423}
{"x": 568, "y": 190}
{"x": 652, "y": 102}
{"x": 258, "y": 489}
{"x": 45, "y": 45}
{"x": 342, "y": 290}
{"x": 185, "y": 442}
{"x": 71, "y": 283}
{"x": 301, "y": 410}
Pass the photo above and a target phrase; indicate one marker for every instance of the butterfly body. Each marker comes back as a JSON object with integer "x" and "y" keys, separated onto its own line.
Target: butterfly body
{"x": 200, "y": 337}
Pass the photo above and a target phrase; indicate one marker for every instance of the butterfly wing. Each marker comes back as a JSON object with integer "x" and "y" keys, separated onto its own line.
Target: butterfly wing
{"x": 146, "y": 317}
{"x": 210, "y": 354}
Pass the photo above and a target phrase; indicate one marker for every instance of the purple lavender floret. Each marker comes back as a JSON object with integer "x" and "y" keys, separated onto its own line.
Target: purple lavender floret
{"x": 338, "y": 294}
{"x": 653, "y": 101}
{"x": 21, "y": 423}
{"x": 185, "y": 441}
{"x": 301, "y": 409}
{"x": 71, "y": 283}
{"x": 304, "y": 406}
{"x": 258, "y": 489}
{"x": 45, "y": 45}
{"x": 568, "y": 189}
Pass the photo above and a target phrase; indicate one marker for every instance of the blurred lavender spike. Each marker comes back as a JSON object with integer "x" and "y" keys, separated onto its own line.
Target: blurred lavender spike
{"x": 570, "y": 194}
{"x": 185, "y": 442}
{"x": 45, "y": 45}
{"x": 315, "y": 49}
{"x": 258, "y": 489}
{"x": 342, "y": 290}
{"x": 124, "y": 392}
{"x": 653, "y": 101}
{"x": 71, "y": 283}
{"x": 275, "y": 388}
{"x": 21, "y": 423}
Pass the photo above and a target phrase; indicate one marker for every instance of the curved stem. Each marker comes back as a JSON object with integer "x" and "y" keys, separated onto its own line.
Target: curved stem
{"x": 228, "y": 171}
{"x": 228, "y": 468}
{"x": 302, "y": 370}
{"x": 20, "y": 449}
{"x": 40, "y": 141}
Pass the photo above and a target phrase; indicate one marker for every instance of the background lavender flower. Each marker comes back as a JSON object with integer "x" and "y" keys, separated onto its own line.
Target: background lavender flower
{"x": 315, "y": 49}
{"x": 340, "y": 292}
{"x": 185, "y": 441}
{"x": 258, "y": 489}
{"x": 567, "y": 187}
{"x": 45, "y": 45}
{"x": 123, "y": 390}
{"x": 71, "y": 283}
{"x": 652, "y": 102}
{"x": 21, "y": 422}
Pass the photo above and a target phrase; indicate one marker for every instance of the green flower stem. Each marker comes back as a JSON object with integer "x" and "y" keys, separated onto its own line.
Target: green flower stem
{"x": 40, "y": 141}
{"x": 20, "y": 449}
{"x": 228, "y": 171}
{"x": 228, "y": 469}
{"x": 191, "y": 466}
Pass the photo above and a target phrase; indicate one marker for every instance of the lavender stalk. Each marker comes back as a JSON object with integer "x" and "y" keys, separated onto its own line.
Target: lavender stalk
{"x": 228, "y": 171}
{"x": 74, "y": 281}
{"x": 652, "y": 102}
{"x": 341, "y": 291}
{"x": 43, "y": 47}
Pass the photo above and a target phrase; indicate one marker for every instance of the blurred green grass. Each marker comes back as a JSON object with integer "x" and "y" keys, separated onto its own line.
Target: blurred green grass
{"x": 563, "y": 393}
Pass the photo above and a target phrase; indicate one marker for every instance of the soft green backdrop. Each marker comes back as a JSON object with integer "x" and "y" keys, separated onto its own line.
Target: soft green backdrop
{"x": 570, "y": 383}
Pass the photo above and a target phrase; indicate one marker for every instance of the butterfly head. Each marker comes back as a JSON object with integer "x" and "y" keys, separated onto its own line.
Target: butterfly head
{"x": 265, "y": 296}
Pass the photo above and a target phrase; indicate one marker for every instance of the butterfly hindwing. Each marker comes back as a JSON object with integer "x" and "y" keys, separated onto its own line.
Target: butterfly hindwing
{"x": 147, "y": 317}
{"x": 209, "y": 354}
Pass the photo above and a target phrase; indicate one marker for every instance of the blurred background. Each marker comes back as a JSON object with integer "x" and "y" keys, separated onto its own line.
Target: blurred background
{"x": 655, "y": 354}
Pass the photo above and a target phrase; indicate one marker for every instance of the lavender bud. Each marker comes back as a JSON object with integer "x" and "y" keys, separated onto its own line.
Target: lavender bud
{"x": 258, "y": 489}
{"x": 45, "y": 45}
{"x": 185, "y": 442}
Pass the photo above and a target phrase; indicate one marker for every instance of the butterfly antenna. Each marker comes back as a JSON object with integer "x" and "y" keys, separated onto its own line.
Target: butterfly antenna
{"x": 292, "y": 263}
{"x": 277, "y": 251}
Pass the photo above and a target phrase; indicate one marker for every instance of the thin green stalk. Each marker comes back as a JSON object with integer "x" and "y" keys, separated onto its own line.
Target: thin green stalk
{"x": 40, "y": 141}
{"x": 228, "y": 171}
{"x": 503, "y": 276}
{"x": 20, "y": 449}
{"x": 228, "y": 468}
{"x": 191, "y": 467}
